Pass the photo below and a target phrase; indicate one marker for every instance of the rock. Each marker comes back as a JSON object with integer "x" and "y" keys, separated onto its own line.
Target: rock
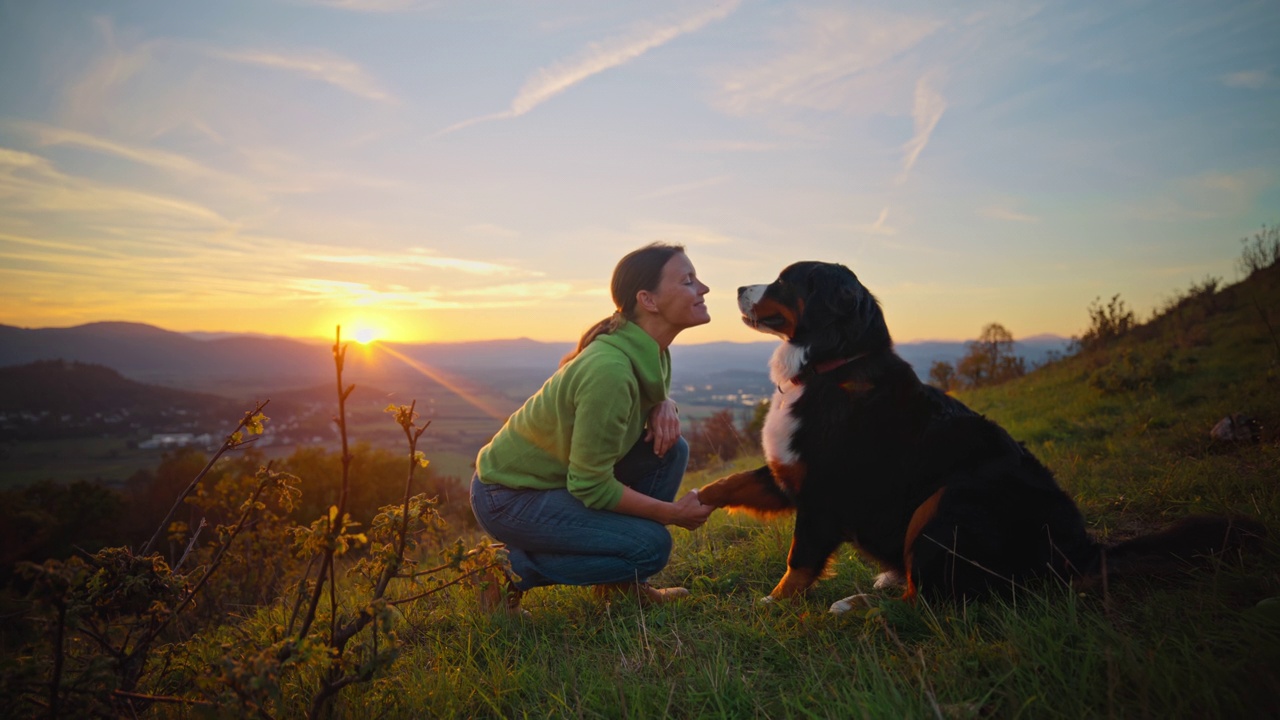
{"x": 1236, "y": 428}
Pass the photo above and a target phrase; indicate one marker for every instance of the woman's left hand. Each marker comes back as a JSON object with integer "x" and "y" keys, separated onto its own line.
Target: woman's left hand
{"x": 664, "y": 427}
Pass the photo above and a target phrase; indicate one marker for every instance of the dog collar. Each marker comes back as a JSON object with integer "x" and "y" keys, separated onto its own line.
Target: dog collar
{"x": 825, "y": 366}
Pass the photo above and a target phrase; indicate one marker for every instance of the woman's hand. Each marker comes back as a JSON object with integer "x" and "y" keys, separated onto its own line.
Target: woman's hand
{"x": 689, "y": 513}
{"x": 664, "y": 427}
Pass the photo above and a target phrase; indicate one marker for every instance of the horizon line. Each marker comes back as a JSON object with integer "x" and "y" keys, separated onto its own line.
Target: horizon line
{"x": 320, "y": 339}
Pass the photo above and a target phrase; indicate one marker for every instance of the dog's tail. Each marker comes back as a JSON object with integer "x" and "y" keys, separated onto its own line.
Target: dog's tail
{"x": 755, "y": 492}
{"x": 1188, "y": 539}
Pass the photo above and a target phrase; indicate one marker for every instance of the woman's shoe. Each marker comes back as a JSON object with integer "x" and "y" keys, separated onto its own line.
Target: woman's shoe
{"x": 500, "y": 594}
{"x": 643, "y": 593}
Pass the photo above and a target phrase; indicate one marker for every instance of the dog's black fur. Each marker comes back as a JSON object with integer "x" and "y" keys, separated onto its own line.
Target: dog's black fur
{"x": 863, "y": 452}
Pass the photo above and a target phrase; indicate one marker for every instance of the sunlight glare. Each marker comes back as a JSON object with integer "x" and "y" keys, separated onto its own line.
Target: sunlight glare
{"x": 366, "y": 335}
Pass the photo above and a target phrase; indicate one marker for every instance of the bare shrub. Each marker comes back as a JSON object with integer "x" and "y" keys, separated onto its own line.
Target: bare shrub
{"x": 1107, "y": 323}
{"x": 1260, "y": 251}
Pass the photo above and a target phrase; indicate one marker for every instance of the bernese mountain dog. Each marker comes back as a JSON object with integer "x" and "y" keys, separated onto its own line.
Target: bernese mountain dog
{"x": 943, "y": 499}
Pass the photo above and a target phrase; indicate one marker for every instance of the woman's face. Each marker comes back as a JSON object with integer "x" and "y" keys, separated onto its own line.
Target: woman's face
{"x": 679, "y": 296}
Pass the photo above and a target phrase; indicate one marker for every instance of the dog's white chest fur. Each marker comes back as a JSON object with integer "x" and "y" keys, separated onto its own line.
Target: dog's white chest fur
{"x": 780, "y": 424}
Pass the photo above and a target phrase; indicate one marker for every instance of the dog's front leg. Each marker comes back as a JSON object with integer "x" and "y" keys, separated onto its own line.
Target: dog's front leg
{"x": 754, "y": 491}
{"x": 811, "y": 548}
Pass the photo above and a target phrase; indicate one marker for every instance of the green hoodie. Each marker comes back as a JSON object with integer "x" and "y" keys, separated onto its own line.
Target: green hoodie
{"x": 573, "y": 431}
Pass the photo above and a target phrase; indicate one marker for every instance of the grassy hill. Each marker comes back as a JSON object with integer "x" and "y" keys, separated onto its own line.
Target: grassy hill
{"x": 1126, "y": 429}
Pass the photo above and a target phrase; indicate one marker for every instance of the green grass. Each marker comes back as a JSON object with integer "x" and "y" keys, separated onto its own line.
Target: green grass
{"x": 1200, "y": 642}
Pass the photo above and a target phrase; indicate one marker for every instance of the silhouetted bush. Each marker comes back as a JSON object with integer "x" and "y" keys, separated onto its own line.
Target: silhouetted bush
{"x": 1261, "y": 251}
{"x": 1107, "y": 323}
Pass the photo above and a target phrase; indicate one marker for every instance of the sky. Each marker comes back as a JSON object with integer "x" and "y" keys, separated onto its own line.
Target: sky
{"x": 473, "y": 169}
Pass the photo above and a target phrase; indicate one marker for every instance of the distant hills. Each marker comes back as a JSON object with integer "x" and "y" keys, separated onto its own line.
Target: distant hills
{"x": 237, "y": 366}
{"x": 120, "y": 387}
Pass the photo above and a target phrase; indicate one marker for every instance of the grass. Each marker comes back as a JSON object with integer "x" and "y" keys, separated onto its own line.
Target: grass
{"x": 1203, "y": 641}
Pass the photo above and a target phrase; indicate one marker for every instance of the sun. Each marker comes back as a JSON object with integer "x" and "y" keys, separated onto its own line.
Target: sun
{"x": 366, "y": 335}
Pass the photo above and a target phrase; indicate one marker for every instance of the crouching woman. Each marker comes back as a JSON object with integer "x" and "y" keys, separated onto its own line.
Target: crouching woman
{"x": 580, "y": 482}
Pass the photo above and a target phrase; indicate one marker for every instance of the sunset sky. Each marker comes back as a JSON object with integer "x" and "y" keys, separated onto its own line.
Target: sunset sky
{"x": 462, "y": 170}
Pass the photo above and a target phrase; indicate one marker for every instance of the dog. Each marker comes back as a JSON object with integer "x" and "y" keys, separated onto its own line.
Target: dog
{"x": 943, "y": 499}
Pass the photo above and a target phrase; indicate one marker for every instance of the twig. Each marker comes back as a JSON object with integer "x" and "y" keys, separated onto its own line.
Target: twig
{"x": 227, "y": 444}
{"x": 191, "y": 545}
{"x": 159, "y": 698}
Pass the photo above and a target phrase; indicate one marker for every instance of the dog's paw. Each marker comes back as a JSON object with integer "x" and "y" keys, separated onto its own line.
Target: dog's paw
{"x": 861, "y": 601}
{"x": 888, "y": 579}
{"x": 768, "y": 600}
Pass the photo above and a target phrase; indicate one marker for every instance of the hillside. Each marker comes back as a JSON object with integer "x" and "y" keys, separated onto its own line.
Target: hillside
{"x": 1124, "y": 425}
{"x": 1126, "y": 428}
{"x": 54, "y": 398}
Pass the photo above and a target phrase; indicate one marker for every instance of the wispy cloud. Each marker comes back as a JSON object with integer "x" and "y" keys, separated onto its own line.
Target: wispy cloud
{"x": 46, "y": 135}
{"x": 419, "y": 258}
{"x": 1207, "y": 196}
{"x": 831, "y": 60}
{"x": 318, "y": 65}
{"x": 360, "y": 294}
{"x": 880, "y": 226}
{"x": 369, "y": 6}
{"x": 927, "y": 111}
{"x": 1249, "y": 79}
{"x": 490, "y": 230}
{"x": 598, "y": 57}
{"x": 30, "y": 184}
{"x": 1005, "y": 211}
{"x": 115, "y": 67}
{"x": 682, "y": 188}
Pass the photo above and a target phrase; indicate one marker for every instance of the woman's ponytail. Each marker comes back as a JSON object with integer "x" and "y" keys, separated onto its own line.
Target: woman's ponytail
{"x": 637, "y": 270}
{"x": 604, "y": 327}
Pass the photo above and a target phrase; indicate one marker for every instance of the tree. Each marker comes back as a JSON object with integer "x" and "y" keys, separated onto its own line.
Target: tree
{"x": 990, "y": 360}
{"x": 715, "y": 437}
{"x": 942, "y": 375}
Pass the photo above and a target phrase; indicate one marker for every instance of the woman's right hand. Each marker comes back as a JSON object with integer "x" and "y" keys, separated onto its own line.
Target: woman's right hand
{"x": 689, "y": 513}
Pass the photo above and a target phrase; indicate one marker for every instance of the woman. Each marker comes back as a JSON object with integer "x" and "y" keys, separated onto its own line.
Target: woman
{"x": 580, "y": 481}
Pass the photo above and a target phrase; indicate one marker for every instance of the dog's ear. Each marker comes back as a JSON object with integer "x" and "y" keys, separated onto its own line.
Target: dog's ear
{"x": 837, "y": 291}
{"x": 841, "y": 315}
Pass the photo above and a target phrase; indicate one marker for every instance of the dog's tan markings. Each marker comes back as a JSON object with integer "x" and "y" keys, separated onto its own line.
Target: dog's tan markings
{"x": 745, "y": 491}
{"x": 927, "y": 511}
{"x": 789, "y": 476}
{"x": 856, "y": 387}
{"x": 768, "y": 307}
{"x": 796, "y": 580}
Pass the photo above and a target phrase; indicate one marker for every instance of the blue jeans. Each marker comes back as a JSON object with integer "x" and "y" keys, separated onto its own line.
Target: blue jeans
{"x": 553, "y": 539}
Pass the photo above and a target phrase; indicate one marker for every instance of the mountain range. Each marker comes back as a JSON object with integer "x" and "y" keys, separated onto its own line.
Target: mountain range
{"x": 238, "y": 366}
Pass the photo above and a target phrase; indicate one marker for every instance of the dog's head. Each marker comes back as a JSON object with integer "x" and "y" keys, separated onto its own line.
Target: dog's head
{"x": 820, "y": 306}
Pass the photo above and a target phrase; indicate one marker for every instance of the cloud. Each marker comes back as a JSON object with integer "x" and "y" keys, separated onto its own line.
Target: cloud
{"x": 1207, "y": 196}
{"x": 598, "y": 57}
{"x": 398, "y": 298}
{"x": 490, "y": 230}
{"x": 928, "y": 110}
{"x": 830, "y": 60}
{"x": 683, "y": 188}
{"x": 368, "y": 6}
{"x": 86, "y": 97}
{"x": 880, "y": 226}
{"x": 1004, "y": 211}
{"x": 1249, "y": 79}
{"x": 46, "y": 135}
{"x": 319, "y": 65}
{"x": 31, "y": 185}
{"x": 417, "y": 258}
